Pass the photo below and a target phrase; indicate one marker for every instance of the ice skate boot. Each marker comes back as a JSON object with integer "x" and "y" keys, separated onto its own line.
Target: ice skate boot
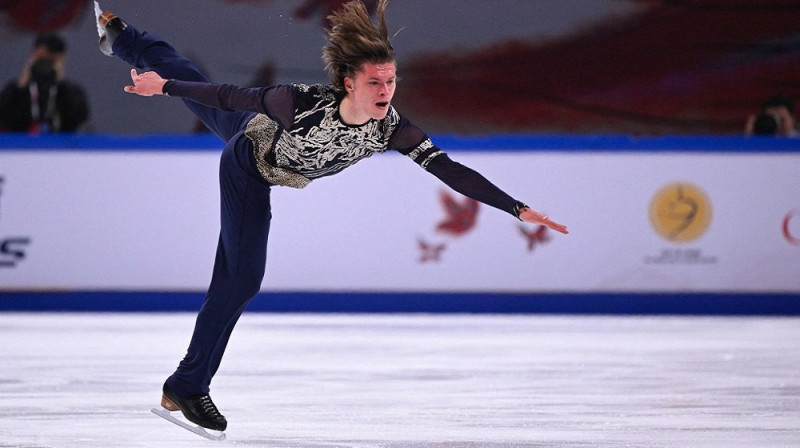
{"x": 199, "y": 410}
{"x": 109, "y": 26}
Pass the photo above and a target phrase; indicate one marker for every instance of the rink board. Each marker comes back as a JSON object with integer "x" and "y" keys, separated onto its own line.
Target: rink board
{"x": 84, "y": 217}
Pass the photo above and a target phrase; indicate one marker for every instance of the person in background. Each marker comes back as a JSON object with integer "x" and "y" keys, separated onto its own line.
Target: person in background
{"x": 776, "y": 118}
{"x": 42, "y": 100}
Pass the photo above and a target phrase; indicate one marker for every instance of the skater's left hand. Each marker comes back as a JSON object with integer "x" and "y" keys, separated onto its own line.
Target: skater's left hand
{"x": 530, "y": 215}
{"x": 146, "y": 84}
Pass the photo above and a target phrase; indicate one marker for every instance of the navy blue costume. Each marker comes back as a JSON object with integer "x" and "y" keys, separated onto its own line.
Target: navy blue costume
{"x": 282, "y": 135}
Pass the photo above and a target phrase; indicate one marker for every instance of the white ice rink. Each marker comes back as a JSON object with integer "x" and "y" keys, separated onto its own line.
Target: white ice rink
{"x": 89, "y": 380}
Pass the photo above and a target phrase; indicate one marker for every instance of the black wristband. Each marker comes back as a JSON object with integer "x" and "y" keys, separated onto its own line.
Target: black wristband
{"x": 166, "y": 86}
{"x": 518, "y": 206}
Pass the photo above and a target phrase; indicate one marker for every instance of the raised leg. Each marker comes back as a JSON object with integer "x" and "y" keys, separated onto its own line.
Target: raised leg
{"x": 147, "y": 51}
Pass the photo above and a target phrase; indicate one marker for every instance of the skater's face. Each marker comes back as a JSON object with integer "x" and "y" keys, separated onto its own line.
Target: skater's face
{"x": 371, "y": 90}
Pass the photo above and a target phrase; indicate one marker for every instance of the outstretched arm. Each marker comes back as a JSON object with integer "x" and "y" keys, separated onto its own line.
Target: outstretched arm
{"x": 460, "y": 178}
{"x": 275, "y": 101}
{"x": 470, "y": 183}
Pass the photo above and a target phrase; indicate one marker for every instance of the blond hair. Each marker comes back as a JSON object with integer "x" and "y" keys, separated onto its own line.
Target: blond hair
{"x": 353, "y": 39}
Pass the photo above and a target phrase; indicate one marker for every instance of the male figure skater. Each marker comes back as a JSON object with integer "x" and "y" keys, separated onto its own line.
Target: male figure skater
{"x": 287, "y": 135}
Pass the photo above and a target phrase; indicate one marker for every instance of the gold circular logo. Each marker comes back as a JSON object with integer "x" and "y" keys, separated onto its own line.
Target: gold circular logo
{"x": 680, "y": 212}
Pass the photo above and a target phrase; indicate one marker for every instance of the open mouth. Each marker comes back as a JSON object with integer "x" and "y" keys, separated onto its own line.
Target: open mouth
{"x": 382, "y": 104}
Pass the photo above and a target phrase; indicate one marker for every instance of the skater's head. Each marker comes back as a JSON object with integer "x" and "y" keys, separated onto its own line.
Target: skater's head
{"x": 361, "y": 62}
{"x": 354, "y": 39}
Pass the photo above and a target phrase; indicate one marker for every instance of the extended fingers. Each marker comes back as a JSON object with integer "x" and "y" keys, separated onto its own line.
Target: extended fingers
{"x": 538, "y": 218}
{"x": 137, "y": 78}
{"x": 555, "y": 226}
{"x": 134, "y": 79}
{"x": 144, "y": 84}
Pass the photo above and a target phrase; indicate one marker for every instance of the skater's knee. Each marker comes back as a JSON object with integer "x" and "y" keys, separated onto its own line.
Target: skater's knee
{"x": 240, "y": 285}
{"x": 250, "y": 285}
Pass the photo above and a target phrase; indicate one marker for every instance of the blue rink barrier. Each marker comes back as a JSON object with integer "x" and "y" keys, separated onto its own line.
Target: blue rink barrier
{"x": 561, "y": 143}
{"x": 711, "y": 304}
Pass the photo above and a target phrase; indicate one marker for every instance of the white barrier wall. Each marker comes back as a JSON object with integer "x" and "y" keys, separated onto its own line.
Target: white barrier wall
{"x": 147, "y": 220}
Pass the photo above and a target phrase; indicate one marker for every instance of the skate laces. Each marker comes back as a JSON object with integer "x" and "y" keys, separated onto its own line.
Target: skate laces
{"x": 208, "y": 407}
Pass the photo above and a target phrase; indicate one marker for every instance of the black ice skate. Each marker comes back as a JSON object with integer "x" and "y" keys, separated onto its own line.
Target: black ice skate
{"x": 199, "y": 410}
{"x": 109, "y": 26}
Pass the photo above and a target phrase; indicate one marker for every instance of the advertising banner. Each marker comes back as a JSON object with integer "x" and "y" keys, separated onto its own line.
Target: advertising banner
{"x": 661, "y": 221}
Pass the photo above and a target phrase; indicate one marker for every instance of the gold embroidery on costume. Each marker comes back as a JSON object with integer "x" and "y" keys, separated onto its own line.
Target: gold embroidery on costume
{"x": 261, "y": 131}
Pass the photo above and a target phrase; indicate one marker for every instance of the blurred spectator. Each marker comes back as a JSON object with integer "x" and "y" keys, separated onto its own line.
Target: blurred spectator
{"x": 42, "y": 100}
{"x": 776, "y": 118}
{"x": 765, "y": 124}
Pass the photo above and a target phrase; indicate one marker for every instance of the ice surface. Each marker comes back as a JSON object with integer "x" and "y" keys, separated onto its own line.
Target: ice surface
{"x": 90, "y": 380}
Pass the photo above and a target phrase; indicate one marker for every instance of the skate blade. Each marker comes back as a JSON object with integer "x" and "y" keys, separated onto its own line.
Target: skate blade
{"x": 97, "y": 13}
{"x": 200, "y": 431}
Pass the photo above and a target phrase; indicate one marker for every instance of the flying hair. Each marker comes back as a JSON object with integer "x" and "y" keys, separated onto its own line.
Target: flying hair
{"x": 353, "y": 39}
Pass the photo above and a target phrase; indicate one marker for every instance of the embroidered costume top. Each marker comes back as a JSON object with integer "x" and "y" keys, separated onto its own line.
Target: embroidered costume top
{"x": 298, "y": 136}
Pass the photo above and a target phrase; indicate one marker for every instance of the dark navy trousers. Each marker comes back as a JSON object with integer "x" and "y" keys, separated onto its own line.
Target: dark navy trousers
{"x": 245, "y": 217}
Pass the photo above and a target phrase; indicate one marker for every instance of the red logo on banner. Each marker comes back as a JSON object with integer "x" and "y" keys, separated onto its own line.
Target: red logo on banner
{"x": 534, "y": 237}
{"x": 430, "y": 251}
{"x": 791, "y": 234}
{"x": 461, "y": 216}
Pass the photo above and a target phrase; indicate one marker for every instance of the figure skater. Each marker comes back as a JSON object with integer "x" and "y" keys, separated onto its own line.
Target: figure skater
{"x": 283, "y": 135}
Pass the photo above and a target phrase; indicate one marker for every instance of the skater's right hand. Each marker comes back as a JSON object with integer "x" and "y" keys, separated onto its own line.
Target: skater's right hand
{"x": 146, "y": 84}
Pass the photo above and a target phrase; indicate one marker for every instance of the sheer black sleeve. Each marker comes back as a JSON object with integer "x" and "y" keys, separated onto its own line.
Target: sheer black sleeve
{"x": 411, "y": 141}
{"x": 277, "y": 102}
{"x": 470, "y": 183}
